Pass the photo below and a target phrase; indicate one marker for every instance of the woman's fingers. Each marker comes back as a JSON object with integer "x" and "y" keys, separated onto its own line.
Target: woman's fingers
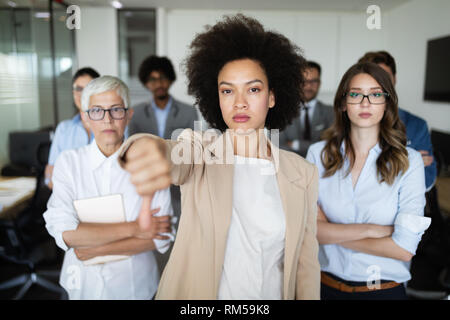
{"x": 150, "y": 187}
{"x": 148, "y": 167}
{"x": 155, "y": 211}
{"x": 145, "y": 216}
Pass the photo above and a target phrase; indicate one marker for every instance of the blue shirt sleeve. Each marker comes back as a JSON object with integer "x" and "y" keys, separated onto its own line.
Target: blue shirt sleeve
{"x": 410, "y": 223}
{"x": 55, "y": 148}
{"x": 424, "y": 143}
{"x": 419, "y": 135}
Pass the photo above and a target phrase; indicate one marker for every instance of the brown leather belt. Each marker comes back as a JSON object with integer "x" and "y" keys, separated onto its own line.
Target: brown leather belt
{"x": 338, "y": 285}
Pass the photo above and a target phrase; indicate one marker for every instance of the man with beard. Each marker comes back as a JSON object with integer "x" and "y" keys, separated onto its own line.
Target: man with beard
{"x": 161, "y": 116}
{"x": 314, "y": 118}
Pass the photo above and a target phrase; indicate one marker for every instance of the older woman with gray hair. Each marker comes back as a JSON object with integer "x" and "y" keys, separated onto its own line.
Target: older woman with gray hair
{"x": 93, "y": 171}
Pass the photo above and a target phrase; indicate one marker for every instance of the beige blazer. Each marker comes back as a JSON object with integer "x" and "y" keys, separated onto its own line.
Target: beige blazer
{"x": 195, "y": 265}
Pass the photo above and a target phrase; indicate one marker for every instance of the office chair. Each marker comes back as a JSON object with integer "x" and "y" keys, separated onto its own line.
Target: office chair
{"x": 16, "y": 250}
{"x": 430, "y": 268}
{"x": 24, "y": 239}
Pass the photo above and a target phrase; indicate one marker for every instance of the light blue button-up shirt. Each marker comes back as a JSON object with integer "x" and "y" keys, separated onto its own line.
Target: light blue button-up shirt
{"x": 161, "y": 116}
{"x": 371, "y": 202}
{"x": 70, "y": 134}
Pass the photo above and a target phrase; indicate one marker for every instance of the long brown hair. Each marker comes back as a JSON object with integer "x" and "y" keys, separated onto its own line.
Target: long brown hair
{"x": 393, "y": 158}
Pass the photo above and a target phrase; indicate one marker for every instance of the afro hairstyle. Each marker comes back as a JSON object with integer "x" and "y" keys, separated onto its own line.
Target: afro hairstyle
{"x": 241, "y": 37}
{"x": 154, "y": 63}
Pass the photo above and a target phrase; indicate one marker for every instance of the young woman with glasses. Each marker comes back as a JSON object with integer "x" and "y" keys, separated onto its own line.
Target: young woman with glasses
{"x": 371, "y": 192}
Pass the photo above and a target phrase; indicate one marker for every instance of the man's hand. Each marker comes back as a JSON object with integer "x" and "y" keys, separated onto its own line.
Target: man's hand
{"x": 147, "y": 164}
{"x": 427, "y": 159}
{"x": 149, "y": 226}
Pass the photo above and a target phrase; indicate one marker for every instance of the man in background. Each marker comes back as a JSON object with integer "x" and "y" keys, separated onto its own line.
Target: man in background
{"x": 416, "y": 128}
{"x": 315, "y": 116}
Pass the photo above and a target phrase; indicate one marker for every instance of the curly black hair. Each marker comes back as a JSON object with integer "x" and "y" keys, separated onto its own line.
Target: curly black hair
{"x": 240, "y": 37}
{"x": 155, "y": 63}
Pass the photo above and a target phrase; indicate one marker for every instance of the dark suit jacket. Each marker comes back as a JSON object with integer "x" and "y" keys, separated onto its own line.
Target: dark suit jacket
{"x": 322, "y": 119}
{"x": 181, "y": 116}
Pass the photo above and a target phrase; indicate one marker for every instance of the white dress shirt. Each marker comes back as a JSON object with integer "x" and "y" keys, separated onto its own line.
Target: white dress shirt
{"x": 400, "y": 205}
{"x": 253, "y": 264}
{"x": 86, "y": 173}
{"x": 311, "y": 107}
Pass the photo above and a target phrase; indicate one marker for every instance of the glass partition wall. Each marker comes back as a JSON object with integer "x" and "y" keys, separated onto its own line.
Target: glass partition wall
{"x": 37, "y": 58}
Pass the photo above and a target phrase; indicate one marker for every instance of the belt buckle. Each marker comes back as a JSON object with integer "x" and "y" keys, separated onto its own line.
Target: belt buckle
{"x": 345, "y": 288}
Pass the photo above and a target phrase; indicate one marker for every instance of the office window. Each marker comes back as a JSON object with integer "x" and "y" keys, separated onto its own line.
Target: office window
{"x": 36, "y": 61}
{"x": 137, "y": 40}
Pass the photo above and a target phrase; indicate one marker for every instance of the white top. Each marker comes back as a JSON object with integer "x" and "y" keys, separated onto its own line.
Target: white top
{"x": 253, "y": 265}
{"x": 86, "y": 173}
{"x": 400, "y": 205}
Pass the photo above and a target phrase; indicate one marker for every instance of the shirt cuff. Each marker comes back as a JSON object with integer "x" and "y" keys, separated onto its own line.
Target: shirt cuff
{"x": 163, "y": 245}
{"x": 408, "y": 230}
{"x": 57, "y": 234}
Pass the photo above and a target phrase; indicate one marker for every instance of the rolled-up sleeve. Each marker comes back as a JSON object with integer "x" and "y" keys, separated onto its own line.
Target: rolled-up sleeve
{"x": 60, "y": 215}
{"x": 162, "y": 199}
{"x": 410, "y": 223}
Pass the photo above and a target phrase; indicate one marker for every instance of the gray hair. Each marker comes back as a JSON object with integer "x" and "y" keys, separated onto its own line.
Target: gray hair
{"x": 103, "y": 84}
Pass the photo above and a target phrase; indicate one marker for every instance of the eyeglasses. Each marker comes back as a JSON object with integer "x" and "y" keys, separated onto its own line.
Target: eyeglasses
{"x": 373, "y": 98}
{"x": 97, "y": 113}
{"x": 77, "y": 89}
{"x": 161, "y": 78}
{"x": 312, "y": 82}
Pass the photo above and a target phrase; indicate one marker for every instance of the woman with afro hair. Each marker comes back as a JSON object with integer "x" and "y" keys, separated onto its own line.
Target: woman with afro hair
{"x": 248, "y": 219}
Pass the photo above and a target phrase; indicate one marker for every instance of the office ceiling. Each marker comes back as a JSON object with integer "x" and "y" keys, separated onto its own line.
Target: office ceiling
{"x": 303, "y": 5}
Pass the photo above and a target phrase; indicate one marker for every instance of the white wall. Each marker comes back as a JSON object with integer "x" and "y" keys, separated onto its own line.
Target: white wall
{"x": 97, "y": 40}
{"x": 410, "y": 27}
{"x": 334, "y": 39}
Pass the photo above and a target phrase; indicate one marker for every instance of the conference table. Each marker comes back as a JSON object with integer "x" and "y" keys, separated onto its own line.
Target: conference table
{"x": 15, "y": 194}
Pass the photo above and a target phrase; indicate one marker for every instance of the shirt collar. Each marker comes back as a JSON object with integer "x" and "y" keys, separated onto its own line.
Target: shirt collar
{"x": 166, "y": 109}
{"x": 98, "y": 158}
{"x": 311, "y": 104}
{"x": 77, "y": 119}
{"x": 375, "y": 149}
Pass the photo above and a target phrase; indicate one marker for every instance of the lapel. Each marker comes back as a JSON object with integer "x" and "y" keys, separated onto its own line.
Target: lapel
{"x": 317, "y": 122}
{"x": 291, "y": 186}
{"x": 220, "y": 178}
{"x": 220, "y": 183}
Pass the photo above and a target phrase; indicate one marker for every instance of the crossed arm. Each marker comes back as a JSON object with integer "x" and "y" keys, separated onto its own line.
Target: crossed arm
{"x": 368, "y": 238}
{"x": 90, "y": 240}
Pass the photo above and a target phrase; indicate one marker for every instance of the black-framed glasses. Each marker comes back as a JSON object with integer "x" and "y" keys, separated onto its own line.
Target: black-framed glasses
{"x": 312, "y": 82}
{"x": 78, "y": 89}
{"x": 161, "y": 78}
{"x": 97, "y": 113}
{"x": 373, "y": 98}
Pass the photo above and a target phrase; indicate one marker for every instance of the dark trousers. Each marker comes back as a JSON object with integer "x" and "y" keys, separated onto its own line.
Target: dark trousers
{"x": 328, "y": 293}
